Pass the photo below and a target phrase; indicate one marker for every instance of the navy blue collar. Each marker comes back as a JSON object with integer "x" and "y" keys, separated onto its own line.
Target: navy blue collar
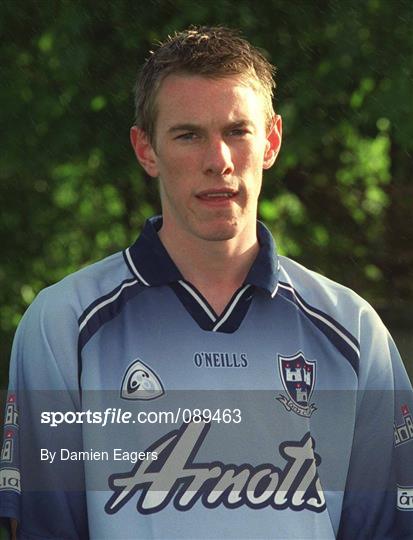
{"x": 150, "y": 262}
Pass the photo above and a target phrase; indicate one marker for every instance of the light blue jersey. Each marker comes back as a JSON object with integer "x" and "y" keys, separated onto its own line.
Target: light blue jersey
{"x": 135, "y": 411}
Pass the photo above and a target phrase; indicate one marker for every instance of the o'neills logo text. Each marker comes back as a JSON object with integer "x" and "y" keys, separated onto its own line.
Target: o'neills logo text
{"x": 220, "y": 360}
{"x": 176, "y": 477}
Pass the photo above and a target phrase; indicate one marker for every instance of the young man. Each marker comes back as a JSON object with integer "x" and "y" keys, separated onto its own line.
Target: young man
{"x": 291, "y": 409}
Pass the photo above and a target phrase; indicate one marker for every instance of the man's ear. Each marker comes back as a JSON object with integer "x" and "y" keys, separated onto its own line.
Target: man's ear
{"x": 273, "y": 146}
{"x": 144, "y": 151}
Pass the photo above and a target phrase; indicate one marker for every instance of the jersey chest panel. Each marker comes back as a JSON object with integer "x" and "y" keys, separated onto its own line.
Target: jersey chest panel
{"x": 252, "y": 376}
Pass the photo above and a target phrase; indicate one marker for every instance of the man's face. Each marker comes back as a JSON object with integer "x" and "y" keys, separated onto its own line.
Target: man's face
{"x": 211, "y": 145}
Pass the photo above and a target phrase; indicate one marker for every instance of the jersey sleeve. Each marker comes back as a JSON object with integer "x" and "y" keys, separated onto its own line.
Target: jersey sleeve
{"x": 378, "y": 500}
{"x": 47, "y": 500}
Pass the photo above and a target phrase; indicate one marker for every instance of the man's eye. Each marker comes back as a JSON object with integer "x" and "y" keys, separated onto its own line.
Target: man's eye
{"x": 239, "y": 132}
{"x": 186, "y": 136}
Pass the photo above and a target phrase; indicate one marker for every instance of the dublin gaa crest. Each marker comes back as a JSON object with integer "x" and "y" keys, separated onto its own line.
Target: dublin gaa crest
{"x": 298, "y": 377}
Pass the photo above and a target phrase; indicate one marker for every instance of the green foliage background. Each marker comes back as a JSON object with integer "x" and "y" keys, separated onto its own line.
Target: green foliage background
{"x": 339, "y": 199}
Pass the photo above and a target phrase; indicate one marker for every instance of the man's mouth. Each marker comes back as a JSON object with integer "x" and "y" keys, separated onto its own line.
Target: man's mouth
{"x": 216, "y": 195}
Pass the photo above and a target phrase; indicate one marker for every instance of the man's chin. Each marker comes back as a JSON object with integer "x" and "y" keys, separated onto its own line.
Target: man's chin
{"x": 219, "y": 233}
{"x": 219, "y": 237}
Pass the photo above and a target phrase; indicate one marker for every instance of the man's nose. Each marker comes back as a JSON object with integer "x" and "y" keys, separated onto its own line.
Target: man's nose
{"x": 218, "y": 158}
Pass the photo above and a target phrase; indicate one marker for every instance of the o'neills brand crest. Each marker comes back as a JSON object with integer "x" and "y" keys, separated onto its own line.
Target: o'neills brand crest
{"x": 405, "y": 498}
{"x": 178, "y": 479}
{"x": 298, "y": 377}
{"x": 10, "y": 480}
{"x": 140, "y": 382}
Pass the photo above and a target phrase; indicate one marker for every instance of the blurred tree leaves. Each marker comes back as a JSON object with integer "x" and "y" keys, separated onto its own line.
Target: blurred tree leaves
{"x": 339, "y": 198}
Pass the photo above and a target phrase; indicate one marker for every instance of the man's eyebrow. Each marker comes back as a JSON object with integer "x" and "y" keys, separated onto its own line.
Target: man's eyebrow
{"x": 183, "y": 127}
{"x": 195, "y": 127}
{"x": 240, "y": 124}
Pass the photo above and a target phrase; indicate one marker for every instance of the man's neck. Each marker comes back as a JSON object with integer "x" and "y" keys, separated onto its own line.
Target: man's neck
{"x": 216, "y": 268}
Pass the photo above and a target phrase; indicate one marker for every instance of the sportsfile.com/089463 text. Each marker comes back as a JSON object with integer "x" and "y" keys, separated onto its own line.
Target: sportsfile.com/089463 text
{"x": 113, "y": 415}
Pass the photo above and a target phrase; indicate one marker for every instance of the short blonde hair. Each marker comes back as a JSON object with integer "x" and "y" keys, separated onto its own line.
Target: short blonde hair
{"x": 214, "y": 52}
